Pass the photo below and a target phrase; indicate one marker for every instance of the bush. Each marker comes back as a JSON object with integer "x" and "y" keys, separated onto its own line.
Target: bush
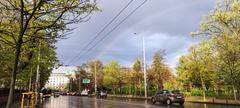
{"x": 187, "y": 93}
{"x": 151, "y": 92}
{"x": 196, "y": 92}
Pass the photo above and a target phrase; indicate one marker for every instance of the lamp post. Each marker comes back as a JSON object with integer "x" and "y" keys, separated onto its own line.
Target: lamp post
{"x": 144, "y": 66}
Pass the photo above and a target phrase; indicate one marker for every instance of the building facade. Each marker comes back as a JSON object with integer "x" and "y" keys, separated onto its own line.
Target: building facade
{"x": 60, "y": 77}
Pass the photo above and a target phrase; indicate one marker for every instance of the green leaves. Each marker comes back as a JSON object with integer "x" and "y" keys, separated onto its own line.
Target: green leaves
{"x": 111, "y": 73}
{"x": 23, "y": 24}
{"x": 160, "y": 72}
{"x": 216, "y": 60}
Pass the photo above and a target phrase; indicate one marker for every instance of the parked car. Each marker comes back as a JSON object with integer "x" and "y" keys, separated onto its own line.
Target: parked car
{"x": 72, "y": 93}
{"x": 102, "y": 94}
{"x": 84, "y": 93}
{"x": 56, "y": 94}
{"x": 168, "y": 97}
{"x": 46, "y": 93}
{"x": 78, "y": 94}
{"x": 63, "y": 93}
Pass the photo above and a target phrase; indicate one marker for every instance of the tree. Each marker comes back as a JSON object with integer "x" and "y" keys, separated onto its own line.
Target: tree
{"x": 32, "y": 19}
{"x": 137, "y": 75}
{"x": 81, "y": 74}
{"x": 199, "y": 66}
{"x": 160, "y": 72}
{"x": 223, "y": 27}
{"x": 228, "y": 48}
{"x": 111, "y": 74}
{"x": 97, "y": 64}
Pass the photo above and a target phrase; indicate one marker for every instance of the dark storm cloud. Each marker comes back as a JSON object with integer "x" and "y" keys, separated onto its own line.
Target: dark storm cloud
{"x": 164, "y": 23}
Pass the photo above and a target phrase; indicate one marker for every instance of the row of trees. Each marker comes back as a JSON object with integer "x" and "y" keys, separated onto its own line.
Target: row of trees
{"x": 214, "y": 64}
{"x": 28, "y": 64}
{"x": 27, "y": 24}
{"x": 129, "y": 80}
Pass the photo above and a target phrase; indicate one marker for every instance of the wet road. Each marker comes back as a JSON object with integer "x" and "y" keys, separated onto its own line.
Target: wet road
{"x": 85, "y": 102}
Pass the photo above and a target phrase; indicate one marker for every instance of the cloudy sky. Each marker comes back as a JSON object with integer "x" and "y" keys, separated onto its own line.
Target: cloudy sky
{"x": 165, "y": 24}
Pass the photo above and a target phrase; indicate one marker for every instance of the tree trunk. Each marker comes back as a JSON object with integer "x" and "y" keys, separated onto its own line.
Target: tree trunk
{"x": 204, "y": 88}
{"x": 17, "y": 54}
{"x": 234, "y": 92}
{"x": 135, "y": 89}
{"x": 139, "y": 85}
{"x": 14, "y": 73}
{"x": 114, "y": 90}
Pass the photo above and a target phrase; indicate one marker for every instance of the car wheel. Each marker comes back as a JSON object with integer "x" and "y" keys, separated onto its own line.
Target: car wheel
{"x": 181, "y": 103}
{"x": 168, "y": 101}
{"x": 153, "y": 100}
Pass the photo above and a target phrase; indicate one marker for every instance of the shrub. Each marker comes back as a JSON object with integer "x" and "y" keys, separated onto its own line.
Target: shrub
{"x": 196, "y": 92}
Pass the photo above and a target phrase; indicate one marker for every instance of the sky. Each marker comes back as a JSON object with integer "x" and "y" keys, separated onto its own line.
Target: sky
{"x": 164, "y": 24}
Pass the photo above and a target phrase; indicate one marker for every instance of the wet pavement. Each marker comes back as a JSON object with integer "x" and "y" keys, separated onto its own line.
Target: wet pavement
{"x": 86, "y": 102}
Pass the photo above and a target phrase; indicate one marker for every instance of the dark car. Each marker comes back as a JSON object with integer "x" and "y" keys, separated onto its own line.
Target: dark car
{"x": 168, "y": 97}
{"x": 63, "y": 93}
{"x": 46, "y": 93}
{"x": 56, "y": 94}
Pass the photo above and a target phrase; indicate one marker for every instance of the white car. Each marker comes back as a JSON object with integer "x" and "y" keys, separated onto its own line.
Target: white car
{"x": 103, "y": 94}
{"x": 84, "y": 93}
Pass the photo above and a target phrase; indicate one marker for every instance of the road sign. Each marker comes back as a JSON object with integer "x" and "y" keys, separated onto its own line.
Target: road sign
{"x": 86, "y": 81}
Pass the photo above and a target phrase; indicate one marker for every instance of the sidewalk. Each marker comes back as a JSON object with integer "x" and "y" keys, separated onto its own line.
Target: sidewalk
{"x": 192, "y": 99}
{"x": 211, "y": 100}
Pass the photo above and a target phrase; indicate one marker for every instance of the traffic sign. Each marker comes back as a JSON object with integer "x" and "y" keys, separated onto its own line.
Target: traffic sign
{"x": 86, "y": 81}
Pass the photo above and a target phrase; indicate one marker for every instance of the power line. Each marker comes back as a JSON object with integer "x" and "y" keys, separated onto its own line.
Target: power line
{"x": 113, "y": 29}
{"x": 104, "y": 28}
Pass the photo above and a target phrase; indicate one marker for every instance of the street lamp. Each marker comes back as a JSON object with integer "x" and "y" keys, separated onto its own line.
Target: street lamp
{"x": 144, "y": 66}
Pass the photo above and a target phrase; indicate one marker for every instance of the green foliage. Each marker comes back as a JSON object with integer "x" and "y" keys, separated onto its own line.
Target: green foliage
{"x": 22, "y": 27}
{"x": 214, "y": 64}
{"x": 196, "y": 92}
{"x": 137, "y": 66}
{"x": 160, "y": 72}
{"x": 99, "y": 73}
{"x": 111, "y": 75}
{"x": 168, "y": 85}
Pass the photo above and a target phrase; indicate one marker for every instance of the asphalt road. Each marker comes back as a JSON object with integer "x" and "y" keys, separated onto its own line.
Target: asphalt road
{"x": 85, "y": 102}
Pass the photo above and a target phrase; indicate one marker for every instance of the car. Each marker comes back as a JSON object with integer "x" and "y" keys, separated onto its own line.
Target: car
{"x": 63, "y": 93}
{"x": 72, "y": 93}
{"x": 101, "y": 94}
{"x": 56, "y": 94}
{"x": 46, "y": 93}
{"x": 168, "y": 97}
{"x": 78, "y": 94}
{"x": 84, "y": 93}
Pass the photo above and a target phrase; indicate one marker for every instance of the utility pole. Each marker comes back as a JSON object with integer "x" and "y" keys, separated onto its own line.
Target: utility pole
{"x": 144, "y": 68}
{"x": 95, "y": 77}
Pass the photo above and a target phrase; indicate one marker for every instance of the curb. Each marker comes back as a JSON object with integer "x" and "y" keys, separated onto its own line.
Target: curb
{"x": 200, "y": 102}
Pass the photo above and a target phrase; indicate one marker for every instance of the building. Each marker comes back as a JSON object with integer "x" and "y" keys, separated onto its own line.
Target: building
{"x": 59, "y": 78}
